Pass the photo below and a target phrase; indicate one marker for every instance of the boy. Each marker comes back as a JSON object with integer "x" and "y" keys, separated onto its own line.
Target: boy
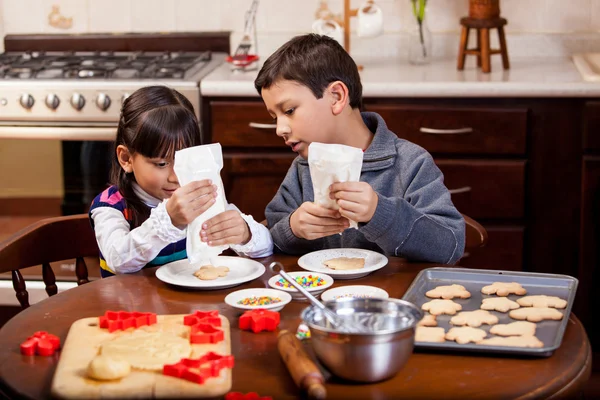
{"x": 311, "y": 87}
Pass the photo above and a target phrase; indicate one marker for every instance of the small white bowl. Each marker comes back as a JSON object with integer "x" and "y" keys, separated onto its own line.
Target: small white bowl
{"x": 239, "y": 295}
{"x": 354, "y": 291}
{"x": 296, "y": 295}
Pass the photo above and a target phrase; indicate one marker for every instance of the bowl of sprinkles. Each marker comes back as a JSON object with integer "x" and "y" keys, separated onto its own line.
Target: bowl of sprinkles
{"x": 250, "y": 299}
{"x": 355, "y": 292}
{"x": 316, "y": 283}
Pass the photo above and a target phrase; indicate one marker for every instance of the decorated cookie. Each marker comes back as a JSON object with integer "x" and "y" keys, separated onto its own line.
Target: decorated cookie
{"x": 208, "y": 272}
{"x": 504, "y": 289}
{"x": 428, "y": 320}
{"x": 438, "y": 307}
{"x": 428, "y": 334}
{"x": 542, "y": 301}
{"x": 449, "y": 292}
{"x": 535, "y": 314}
{"x": 501, "y": 304}
{"x": 474, "y": 318}
{"x": 465, "y": 334}
{"x": 513, "y": 341}
{"x": 345, "y": 263}
{"x": 519, "y": 328}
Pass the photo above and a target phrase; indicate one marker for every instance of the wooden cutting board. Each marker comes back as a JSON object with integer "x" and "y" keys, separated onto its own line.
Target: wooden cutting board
{"x": 83, "y": 344}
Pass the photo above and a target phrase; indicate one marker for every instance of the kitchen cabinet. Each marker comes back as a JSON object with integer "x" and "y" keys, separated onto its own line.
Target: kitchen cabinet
{"x": 589, "y": 258}
{"x": 512, "y": 164}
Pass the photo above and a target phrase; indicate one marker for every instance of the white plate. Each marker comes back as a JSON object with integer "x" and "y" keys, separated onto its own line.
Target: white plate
{"x": 181, "y": 273}
{"x": 239, "y": 295}
{"x": 314, "y": 262}
{"x": 354, "y": 291}
{"x": 296, "y": 295}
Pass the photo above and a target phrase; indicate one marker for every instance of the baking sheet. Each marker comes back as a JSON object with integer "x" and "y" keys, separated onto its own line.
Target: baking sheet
{"x": 549, "y": 332}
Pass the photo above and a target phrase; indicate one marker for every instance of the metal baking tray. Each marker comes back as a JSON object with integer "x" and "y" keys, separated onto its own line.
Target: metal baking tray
{"x": 549, "y": 332}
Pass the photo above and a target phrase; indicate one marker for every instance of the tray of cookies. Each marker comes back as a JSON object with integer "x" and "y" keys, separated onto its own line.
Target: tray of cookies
{"x": 491, "y": 311}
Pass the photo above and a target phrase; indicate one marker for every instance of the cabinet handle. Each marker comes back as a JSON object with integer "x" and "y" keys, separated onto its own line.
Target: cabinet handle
{"x": 459, "y": 131}
{"x": 258, "y": 125}
{"x": 463, "y": 189}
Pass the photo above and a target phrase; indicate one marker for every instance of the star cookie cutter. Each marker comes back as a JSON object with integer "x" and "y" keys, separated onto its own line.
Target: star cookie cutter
{"x": 200, "y": 369}
{"x": 203, "y": 325}
{"x": 121, "y": 320}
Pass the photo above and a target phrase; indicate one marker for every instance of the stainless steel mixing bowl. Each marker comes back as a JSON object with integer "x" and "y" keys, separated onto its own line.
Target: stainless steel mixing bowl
{"x": 365, "y": 357}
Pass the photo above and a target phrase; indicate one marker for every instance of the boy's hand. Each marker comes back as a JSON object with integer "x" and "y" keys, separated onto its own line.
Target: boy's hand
{"x": 312, "y": 221}
{"x": 357, "y": 200}
{"x": 191, "y": 200}
{"x": 226, "y": 228}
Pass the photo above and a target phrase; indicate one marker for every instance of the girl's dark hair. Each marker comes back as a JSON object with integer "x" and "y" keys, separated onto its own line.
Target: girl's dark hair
{"x": 313, "y": 61}
{"x": 155, "y": 122}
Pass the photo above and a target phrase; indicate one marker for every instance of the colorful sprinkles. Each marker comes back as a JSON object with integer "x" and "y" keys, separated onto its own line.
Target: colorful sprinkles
{"x": 353, "y": 295}
{"x": 307, "y": 281}
{"x": 259, "y": 301}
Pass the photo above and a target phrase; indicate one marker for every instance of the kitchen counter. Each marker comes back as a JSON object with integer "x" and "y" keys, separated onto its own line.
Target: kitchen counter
{"x": 528, "y": 77}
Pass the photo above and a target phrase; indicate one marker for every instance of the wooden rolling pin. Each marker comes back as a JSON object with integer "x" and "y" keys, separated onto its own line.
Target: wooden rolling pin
{"x": 305, "y": 373}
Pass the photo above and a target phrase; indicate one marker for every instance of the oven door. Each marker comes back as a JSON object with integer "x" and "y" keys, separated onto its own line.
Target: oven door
{"x": 87, "y": 150}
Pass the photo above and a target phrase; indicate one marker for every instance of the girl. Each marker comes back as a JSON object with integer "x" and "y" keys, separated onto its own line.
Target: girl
{"x": 140, "y": 220}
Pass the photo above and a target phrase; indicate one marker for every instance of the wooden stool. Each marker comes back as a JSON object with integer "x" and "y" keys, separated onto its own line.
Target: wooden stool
{"x": 483, "y": 51}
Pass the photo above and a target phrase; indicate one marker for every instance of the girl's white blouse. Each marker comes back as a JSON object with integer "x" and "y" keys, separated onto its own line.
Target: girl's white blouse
{"x": 127, "y": 251}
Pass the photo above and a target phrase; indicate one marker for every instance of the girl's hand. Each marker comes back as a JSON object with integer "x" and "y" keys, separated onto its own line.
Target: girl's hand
{"x": 191, "y": 200}
{"x": 357, "y": 200}
{"x": 226, "y": 228}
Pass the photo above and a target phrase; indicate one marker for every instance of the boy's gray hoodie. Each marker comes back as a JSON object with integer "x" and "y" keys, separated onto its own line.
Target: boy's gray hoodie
{"x": 415, "y": 217}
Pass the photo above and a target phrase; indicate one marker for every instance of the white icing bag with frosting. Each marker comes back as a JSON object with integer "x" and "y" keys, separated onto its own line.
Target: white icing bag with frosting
{"x": 330, "y": 163}
{"x": 195, "y": 164}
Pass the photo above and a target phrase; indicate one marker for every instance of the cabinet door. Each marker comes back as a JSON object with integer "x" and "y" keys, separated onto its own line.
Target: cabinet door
{"x": 503, "y": 251}
{"x": 587, "y": 302}
{"x": 252, "y": 179}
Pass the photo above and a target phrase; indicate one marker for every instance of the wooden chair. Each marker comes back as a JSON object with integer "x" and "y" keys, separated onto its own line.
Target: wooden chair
{"x": 46, "y": 241}
{"x": 475, "y": 234}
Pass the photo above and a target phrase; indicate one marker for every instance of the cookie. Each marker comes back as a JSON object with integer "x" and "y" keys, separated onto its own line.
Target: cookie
{"x": 535, "y": 314}
{"x": 474, "y": 318}
{"x": 448, "y": 292}
{"x": 345, "y": 263}
{"x": 519, "y": 328}
{"x": 438, "y": 307}
{"x": 542, "y": 301}
{"x": 465, "y": 334}
{"x": 209, "y": 273}
{"x": 428, "y": 320}
{"x": 504, "y": 289}
{"x": 501, "y": 304}
{"x": 427, "y": 334}
{"x": 513, "y": 341}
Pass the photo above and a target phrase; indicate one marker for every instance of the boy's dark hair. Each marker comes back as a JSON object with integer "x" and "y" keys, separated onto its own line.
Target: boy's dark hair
{"x": 313, "y": 61}
{"x": 155, "y": 122}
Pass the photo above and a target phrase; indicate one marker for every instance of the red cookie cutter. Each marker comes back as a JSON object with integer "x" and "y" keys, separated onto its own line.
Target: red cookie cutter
{"x": 121, "y": 320}
{"x": 41, "y": 343}
{"x": 259, "y": 320}
{"x": 200, "y": 369}
{"x": 246, "y": 396}
{"x": 203, "y": 327}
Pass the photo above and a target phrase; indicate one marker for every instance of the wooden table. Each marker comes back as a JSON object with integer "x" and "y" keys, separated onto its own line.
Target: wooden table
{"x": 259, "y": 367}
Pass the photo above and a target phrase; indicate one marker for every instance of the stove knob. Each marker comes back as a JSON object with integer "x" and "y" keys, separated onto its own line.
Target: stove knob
{"x": 103, "y": 101}
{"x": 124, "y": 97}
{"x": 27, "y": 101}
{"x": 52, "y": 101}
{"x": 77, "y": 101}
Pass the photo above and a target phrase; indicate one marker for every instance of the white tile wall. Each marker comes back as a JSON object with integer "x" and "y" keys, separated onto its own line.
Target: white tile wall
{"x": 532, "y": 25}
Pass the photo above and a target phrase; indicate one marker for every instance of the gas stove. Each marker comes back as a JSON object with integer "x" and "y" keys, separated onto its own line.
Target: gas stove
{"x": 56, "y": 89}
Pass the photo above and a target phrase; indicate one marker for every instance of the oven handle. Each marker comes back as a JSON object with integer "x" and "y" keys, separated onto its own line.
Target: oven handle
{"x": 102, "y": 133}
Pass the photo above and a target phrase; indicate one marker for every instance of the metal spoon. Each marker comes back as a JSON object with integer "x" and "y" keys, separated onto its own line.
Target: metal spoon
{"x": 334, "y": 319}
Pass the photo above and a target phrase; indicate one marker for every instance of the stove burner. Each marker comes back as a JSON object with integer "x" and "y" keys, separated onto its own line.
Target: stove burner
{"x": 101, "y": 65}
